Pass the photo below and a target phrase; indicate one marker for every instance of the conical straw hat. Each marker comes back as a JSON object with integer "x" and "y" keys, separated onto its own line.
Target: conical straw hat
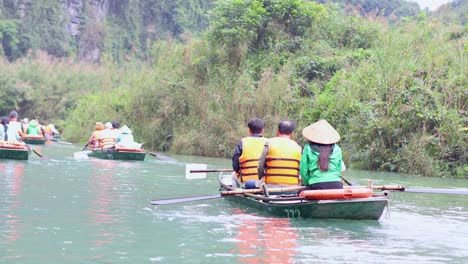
{"x": 321, "y": 132}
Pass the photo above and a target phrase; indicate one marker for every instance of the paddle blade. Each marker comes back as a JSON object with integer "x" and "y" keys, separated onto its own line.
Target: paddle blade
{"x": 184, "y": 200}
{"x": 439, "y": 191}
{"x": 81, "y": 155}
{"x": 195, "y": 166}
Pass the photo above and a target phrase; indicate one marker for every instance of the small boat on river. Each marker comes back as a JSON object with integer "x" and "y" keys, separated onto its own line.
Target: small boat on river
{"x": 34, "y": 140}
{"x": 14, "y": 151}
{"x": 118, "y": 154}
{"x": 302, "y": 205}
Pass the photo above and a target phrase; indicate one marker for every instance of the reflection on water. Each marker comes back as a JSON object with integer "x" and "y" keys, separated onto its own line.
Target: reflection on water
{"x": 100, "y": 214}
{"x": 63, "y": 210}
{"x": 11, "y": 188}
{"x": 271, "y": 240}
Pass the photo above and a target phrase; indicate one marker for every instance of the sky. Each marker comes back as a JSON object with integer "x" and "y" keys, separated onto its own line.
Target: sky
{"x": 431, "y": 4}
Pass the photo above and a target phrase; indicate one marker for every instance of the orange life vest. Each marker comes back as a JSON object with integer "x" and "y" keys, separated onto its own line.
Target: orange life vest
{"x": 282, "y": 161}
{"x": 252, "y": 148}
{"x": 106, "y": 143}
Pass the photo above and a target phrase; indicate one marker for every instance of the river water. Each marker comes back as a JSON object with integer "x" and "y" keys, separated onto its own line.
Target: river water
{"x": 61, "y": 209}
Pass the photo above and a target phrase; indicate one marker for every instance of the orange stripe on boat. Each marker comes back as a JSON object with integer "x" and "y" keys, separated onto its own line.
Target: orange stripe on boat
{"x": 130, "y": 149}
{"x": 336, "y": 194}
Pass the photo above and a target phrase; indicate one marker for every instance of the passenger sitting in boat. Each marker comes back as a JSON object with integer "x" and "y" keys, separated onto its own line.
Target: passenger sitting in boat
{"x": 93, "y": 140}
{"x": 125, "y": 139}
{"x": 24, "y": 125}
{"x": 116, "y": 129}
{"x": 279, "y": 163}
{"x": 107, "y": 137}
{"x": 248, "y": 152}
{"x": 321, "y": 162}
{"x": 14, "y": 127}
{"x": 4, "y": 129}
{"x": 34, "y": 128}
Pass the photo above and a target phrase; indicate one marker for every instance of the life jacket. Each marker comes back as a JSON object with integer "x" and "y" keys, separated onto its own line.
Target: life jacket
{"x": 48, "y": 130}
{"x": 107, "y": 142}
{"x": 282, "y": 161}
{"x": 252, "y": 148}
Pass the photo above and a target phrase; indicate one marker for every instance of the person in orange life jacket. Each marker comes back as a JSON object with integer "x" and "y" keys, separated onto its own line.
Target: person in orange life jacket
{"x": 107, "y": 137}
{"x": 279, "y": 163}
{"x": 93, "y": 141}
{"x": 322, "y": 162}
{"x": 247, "y": 153}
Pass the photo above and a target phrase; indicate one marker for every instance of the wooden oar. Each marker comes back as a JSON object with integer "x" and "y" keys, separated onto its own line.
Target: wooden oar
{"x": 218, "y": 170}
{"x": 184, "y": 200}
{"x": 86, "y": 146}
{"x": 33, "y": 150}
{"x": 416, "y": 190}
{"x": 159, "y": 156}
{"x": 224, "y": 193}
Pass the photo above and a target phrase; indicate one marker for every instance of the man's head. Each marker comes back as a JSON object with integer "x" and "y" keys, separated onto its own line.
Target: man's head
{"x": 115, "y": 125}
{"x": 286, "y": 127}
{"x": 13, "y": 116}
{"x": 256, "y": 125}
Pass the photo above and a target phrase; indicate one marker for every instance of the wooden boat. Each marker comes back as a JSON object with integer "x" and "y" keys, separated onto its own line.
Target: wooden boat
{"x": 14, "y": 153}
{"x": 295, "y": 206}
{"x": 118, "y": 154}
{"x": 34, "y": 140}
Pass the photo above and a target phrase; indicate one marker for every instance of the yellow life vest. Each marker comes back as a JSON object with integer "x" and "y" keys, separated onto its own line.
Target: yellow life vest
{"x": 282, "y": 161}
{"x": 252, "y": 148}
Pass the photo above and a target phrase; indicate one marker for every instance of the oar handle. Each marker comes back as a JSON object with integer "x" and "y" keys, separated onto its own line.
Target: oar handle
{"x": 218, "y": 170}
{"x": 381, "y": 187}
{"x": 270, "y": 190}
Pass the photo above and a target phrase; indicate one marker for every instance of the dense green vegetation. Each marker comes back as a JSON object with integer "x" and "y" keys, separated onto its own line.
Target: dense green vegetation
{"x": 396, "y": 93}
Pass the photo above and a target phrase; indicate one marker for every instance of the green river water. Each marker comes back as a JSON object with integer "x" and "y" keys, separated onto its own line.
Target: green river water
{"x": 59, "y": 209}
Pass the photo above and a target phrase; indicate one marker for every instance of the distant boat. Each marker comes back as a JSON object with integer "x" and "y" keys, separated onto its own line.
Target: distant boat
{"x": 118, "y": 154}
{"x": 34, "y": 139}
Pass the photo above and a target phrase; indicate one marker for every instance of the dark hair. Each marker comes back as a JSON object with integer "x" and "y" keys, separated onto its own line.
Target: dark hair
{"x": 13, "y": 114}
{"x": 286, "y": 127}
{"x": 256, "y": 125}
{"x": 115, "y": 124}
{"x": 324, "y": 156}
{"x": 5, "y": 120}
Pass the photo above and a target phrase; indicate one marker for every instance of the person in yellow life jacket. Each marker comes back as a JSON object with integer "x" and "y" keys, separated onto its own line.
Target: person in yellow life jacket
{"x": 93, "y": 140}
{"x": 247, "y": 153}
{"x": 279, "y": 163}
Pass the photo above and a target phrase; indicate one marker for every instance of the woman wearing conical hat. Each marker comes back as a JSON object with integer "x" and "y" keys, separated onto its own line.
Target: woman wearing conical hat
{"x": 321, "y": 161}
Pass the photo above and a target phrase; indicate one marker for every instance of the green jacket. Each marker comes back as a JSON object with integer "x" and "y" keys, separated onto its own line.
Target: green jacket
{"x": 32, "y": 130}
{"x": 310, "y": 172}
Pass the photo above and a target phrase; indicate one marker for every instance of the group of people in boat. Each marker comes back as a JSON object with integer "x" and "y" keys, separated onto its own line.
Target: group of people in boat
{"x": 110, "y": 135}
{"x": 12, "y": 130}
{"x": 281, "y": 162}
